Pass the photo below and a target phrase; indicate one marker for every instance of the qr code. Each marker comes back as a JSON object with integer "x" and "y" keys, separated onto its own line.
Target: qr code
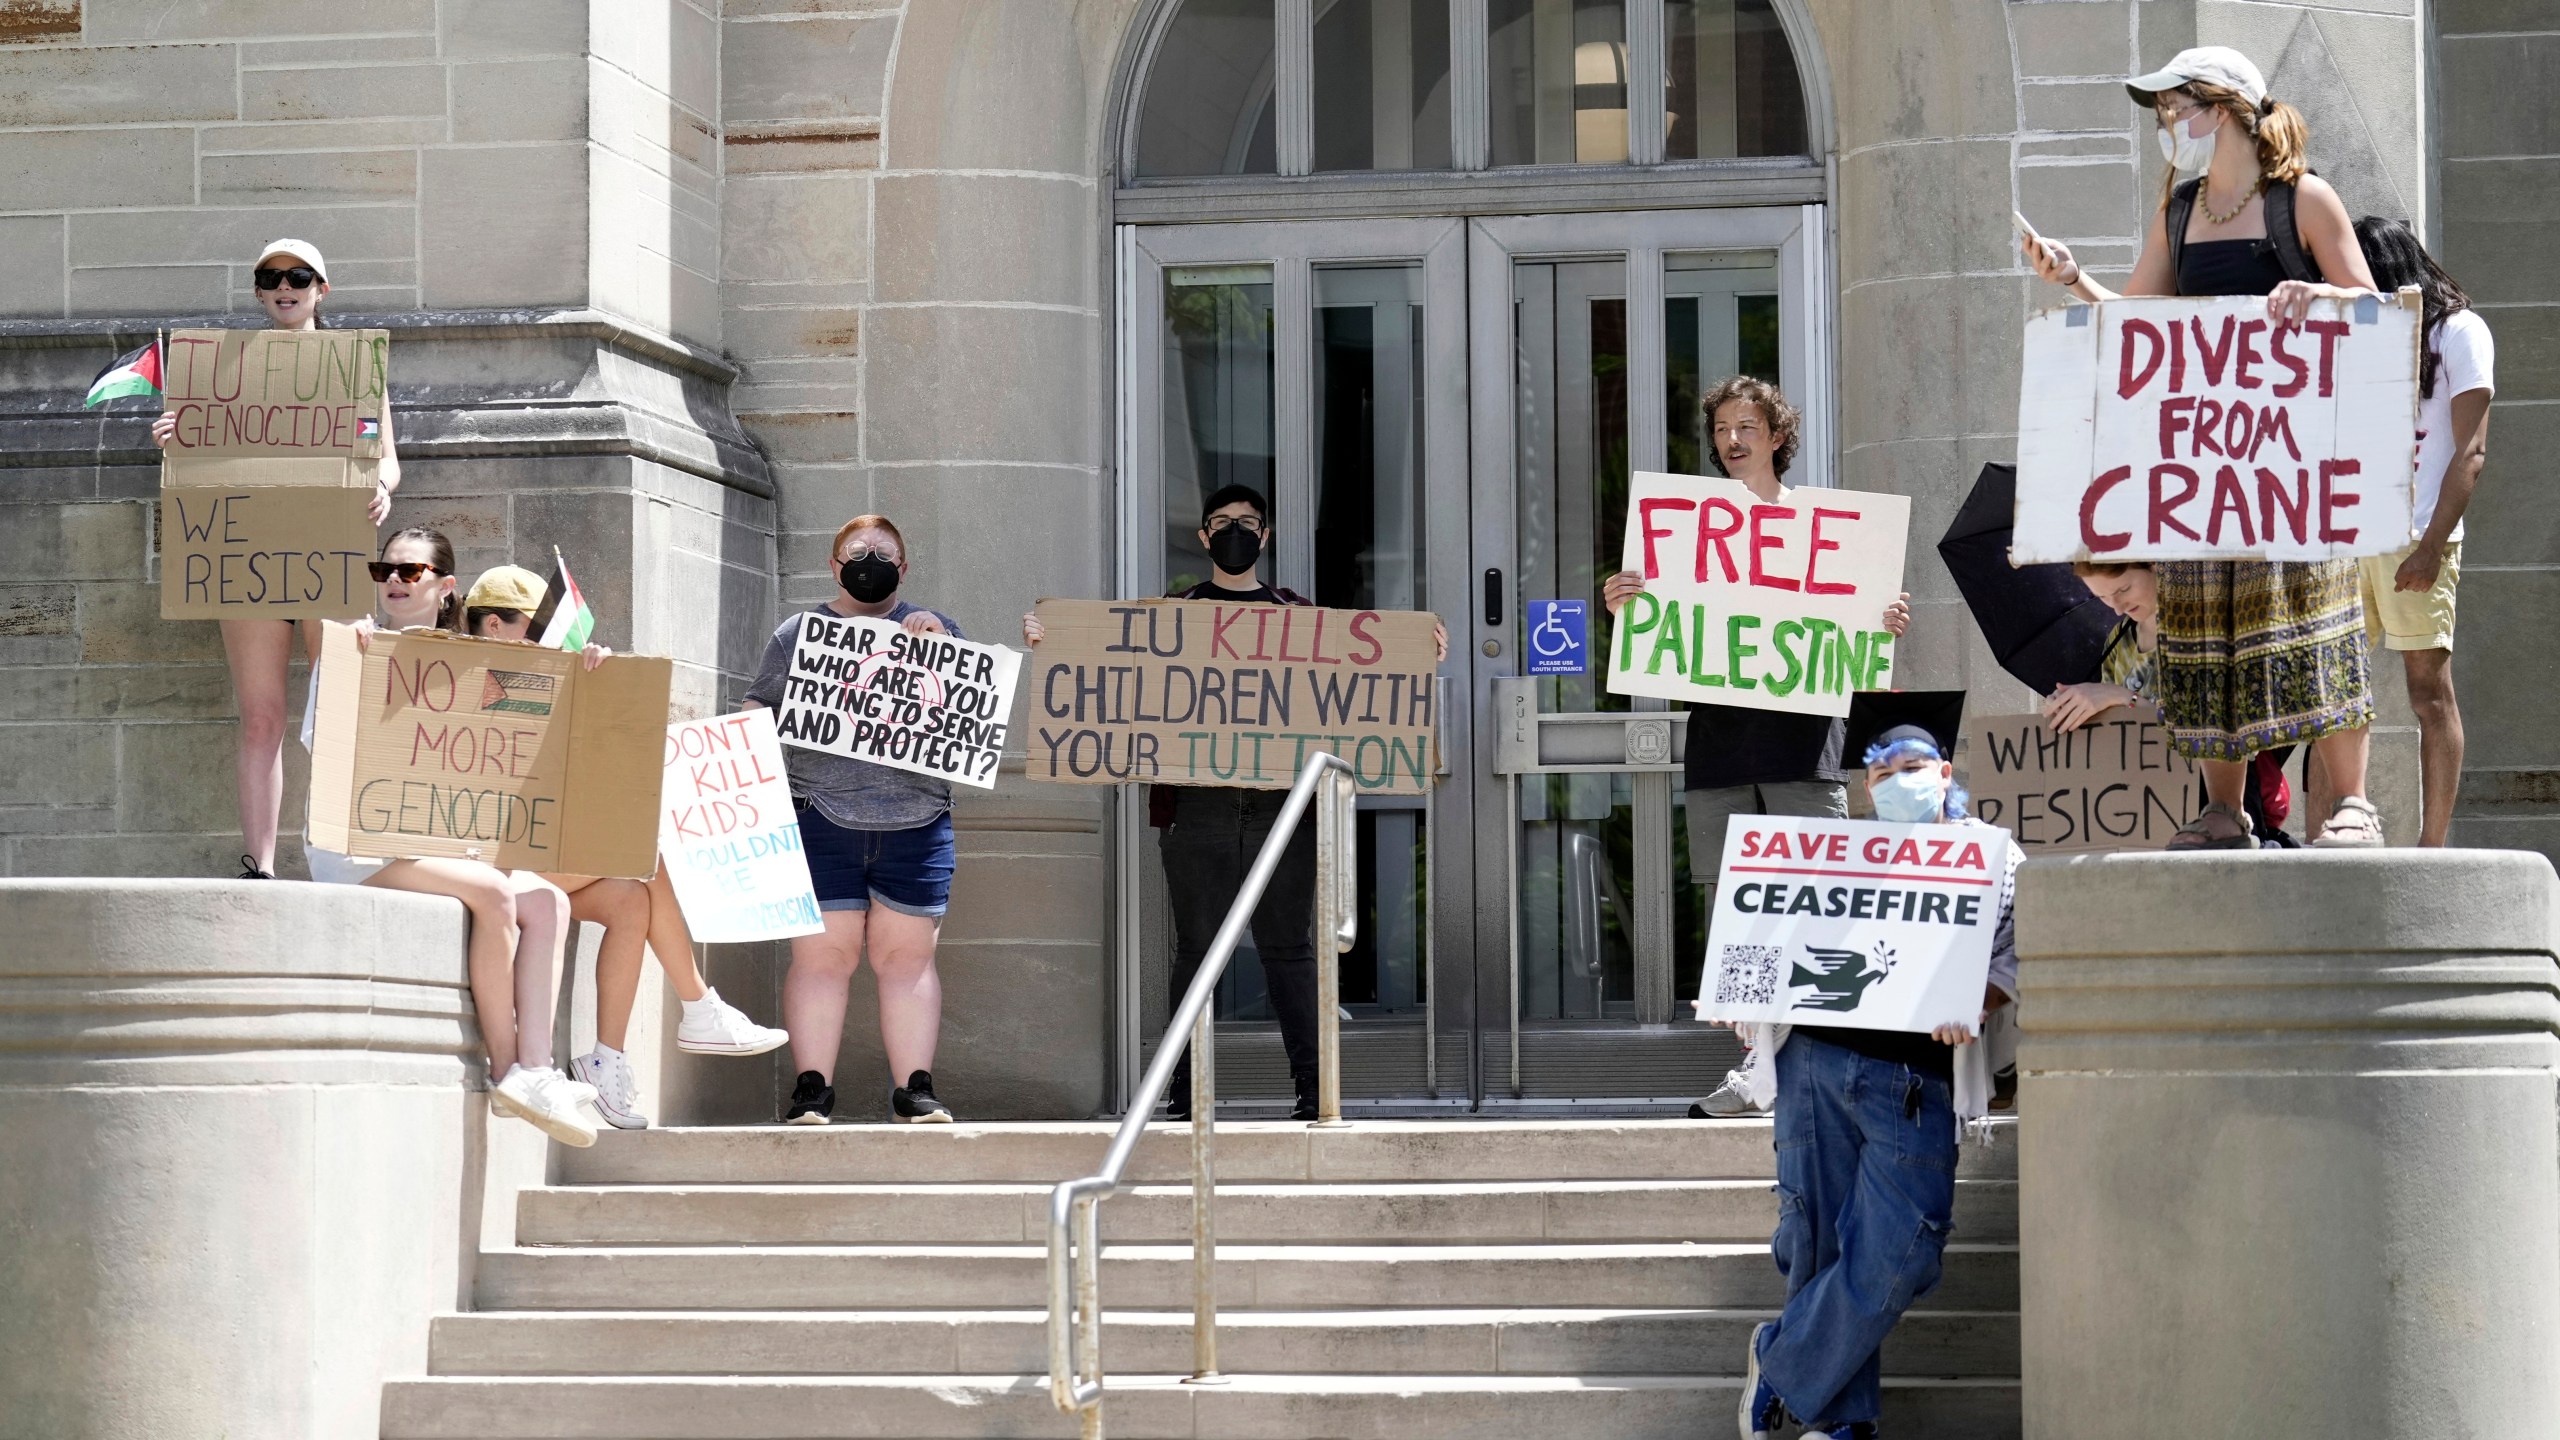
{"x": 1748, "y": 975}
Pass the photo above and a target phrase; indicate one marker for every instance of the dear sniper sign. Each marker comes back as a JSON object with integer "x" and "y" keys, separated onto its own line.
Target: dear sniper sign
{"x": 1853, "y": 923}
{"x": 2193, "y": 429}
{"x": 1772, "y": 606}
{"x": 727, "y": 833}
{"x": 870, "y": 690}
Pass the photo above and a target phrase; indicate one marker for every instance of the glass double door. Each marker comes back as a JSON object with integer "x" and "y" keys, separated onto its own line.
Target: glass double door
{"x": 1445, "y": 413}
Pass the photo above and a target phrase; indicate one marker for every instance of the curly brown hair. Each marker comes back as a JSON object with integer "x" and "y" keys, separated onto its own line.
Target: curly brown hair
{"x": 1785, "y": 422}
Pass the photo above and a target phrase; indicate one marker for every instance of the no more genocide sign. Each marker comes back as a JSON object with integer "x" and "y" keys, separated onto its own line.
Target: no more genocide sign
{"x": 2194, "y": 429}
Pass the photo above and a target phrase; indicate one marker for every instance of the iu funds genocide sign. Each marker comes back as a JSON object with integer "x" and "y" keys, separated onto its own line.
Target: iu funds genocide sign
{"x": 1849, "y": 922}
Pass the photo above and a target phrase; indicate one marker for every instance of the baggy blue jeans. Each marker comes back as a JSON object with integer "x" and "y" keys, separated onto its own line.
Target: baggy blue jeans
{"x": 1866, "y": 1187}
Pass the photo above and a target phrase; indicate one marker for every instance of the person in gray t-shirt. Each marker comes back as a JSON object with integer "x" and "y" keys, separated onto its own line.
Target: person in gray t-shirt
{"x": 880, "y": 856}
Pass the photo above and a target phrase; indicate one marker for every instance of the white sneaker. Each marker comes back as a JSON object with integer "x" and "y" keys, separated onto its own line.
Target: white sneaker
{"x": 550, "y": 1102}
{"x": 1733, "y": 1097}
{"x": 617, "y": 1094}
{"x": 713, "y": 1026}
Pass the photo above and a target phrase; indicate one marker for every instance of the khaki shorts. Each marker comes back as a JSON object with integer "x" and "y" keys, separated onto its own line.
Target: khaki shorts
{"x": 2409, "y": 619}
{"x": 1709, "y": 810}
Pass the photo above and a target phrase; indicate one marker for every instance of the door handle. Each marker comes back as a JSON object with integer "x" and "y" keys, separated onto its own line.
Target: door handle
{"x": 1493, "y": 599}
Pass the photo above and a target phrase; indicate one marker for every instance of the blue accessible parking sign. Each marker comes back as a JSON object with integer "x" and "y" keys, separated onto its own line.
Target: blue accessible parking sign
{"x": 1559, "y": 632}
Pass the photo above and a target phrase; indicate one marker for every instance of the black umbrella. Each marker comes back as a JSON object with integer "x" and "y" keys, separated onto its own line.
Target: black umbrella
{"x": 2043, "y": 624}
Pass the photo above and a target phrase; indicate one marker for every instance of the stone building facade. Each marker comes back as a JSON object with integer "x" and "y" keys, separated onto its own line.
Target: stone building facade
{"x": 680, "y": 285}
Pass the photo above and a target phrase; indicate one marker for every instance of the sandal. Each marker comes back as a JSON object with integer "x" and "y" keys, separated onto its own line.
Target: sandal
{"x": 2354, "y": 825}
{"x": 2199, "y": 834}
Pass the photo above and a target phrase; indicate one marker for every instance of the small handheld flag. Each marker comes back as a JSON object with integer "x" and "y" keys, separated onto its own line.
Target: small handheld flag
{"x": 137, "y": 373}
{"x": 564, "y": 622}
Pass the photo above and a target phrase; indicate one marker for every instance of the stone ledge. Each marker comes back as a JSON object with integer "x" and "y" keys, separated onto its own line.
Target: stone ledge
{"x": 529, "y": 382}
{"x": 227, "y": 982}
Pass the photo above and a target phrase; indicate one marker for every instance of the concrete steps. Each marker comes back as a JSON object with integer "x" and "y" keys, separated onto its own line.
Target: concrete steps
{"x": 1504, "y": 1212}
{"x": 1550, "y": 1340}
{"x": 1485, "y": 1279}
{"x": 1141, "y": 1407}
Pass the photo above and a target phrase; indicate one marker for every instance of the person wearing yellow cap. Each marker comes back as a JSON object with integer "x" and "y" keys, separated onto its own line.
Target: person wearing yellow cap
{"x": 289, "y": 279}
{"x": 501, "y": 605}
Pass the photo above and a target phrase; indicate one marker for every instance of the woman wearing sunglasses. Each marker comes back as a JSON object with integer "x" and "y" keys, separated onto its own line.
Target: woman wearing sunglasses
{"x": 290, "y": 280}
{"x": 519, "y": 921}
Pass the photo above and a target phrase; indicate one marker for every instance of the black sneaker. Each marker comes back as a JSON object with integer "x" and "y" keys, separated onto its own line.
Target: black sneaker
{"x": 913, "y": 1102}
{"x": 813, "y": 1101}
{"x": 1305, "y": 1109}
{"x": 2004, "y": 1089}
{"x": 249, "y": 869}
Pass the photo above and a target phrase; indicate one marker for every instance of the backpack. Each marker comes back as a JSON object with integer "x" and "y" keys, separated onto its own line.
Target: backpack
{"x": 2280, "y": 228}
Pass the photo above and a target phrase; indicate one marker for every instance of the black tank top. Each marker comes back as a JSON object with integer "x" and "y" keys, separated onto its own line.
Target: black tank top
{"x": 2229, "y": 267}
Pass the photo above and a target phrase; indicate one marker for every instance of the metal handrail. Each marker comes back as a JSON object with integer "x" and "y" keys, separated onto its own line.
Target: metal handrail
{"x": 1075, "y": 1247}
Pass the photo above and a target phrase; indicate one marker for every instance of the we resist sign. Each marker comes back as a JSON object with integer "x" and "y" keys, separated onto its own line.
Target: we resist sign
{"x": 435, "y": 746}
{"x": 1852, "y": 922}
{"x": 2112, "y": 784}
{"x": 871, "y": 690}
{"x": 1771, "y": 606}
{"x": 727, "y": 833}
{"x": 2194, "y": 429}
{"x": 285, "y": 552}
{"x": 1204, "y": 692}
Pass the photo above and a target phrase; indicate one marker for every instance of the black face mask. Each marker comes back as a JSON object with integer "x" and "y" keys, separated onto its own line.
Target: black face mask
{"x": 1235, "y": 548}
{"x": 871, "y": 579}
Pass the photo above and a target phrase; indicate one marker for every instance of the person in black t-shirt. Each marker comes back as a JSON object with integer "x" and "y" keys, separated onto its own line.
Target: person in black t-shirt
{"x": 1210, "y": 834}
{"x": 1744, "y": 761}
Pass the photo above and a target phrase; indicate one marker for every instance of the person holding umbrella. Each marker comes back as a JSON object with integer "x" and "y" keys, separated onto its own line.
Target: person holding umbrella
{"x": 1742, "y": 761}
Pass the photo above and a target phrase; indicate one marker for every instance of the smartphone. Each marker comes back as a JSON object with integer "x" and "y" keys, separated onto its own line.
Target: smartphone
{"x": 2025, "y": 229}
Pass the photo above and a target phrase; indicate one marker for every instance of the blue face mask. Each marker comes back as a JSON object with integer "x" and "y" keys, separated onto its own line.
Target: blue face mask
{"x": 1911, "y": 797}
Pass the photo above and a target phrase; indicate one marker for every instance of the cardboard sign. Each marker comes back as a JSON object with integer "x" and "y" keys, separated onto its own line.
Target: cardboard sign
{"x": 286, "y": 552}
{"x": 1204, "y": 692}
{"x": 870, "y": 690}
{"x": 728, "y": 835}
{"x": 1768, "y": 606}
{"x": 2191, "y": 429}
{"x": 2112, "y": 784}
{"x": 429, "y": 745}
{"x": 1853, "y": 923}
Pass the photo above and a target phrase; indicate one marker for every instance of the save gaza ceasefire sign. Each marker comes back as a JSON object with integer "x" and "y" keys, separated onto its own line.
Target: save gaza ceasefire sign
{"x": 1770, "y": 605}
{"x": 2194, "y": 429}
{"x": 1854, "y": 923}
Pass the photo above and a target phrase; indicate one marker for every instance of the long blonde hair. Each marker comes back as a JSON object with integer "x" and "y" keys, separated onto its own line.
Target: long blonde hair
{"x": 2283, "y": 136}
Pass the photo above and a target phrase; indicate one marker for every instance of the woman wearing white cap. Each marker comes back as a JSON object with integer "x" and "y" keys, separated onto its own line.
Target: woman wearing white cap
{"x": 291, "y": 279}
{"x": 2253, "y": 655}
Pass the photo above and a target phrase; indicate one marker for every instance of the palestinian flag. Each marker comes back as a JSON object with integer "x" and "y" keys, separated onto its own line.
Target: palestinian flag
{"x": 134, "y": 374}
{"x": 564, "y": 622}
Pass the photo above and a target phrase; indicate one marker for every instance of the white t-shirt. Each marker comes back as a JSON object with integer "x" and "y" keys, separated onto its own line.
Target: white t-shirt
{"x": 2468, "y": 362}
{"x": 327, "y": 866}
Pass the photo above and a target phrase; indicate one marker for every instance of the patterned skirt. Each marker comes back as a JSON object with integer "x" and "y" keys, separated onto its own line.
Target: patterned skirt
{"x": 2258, "y": 654}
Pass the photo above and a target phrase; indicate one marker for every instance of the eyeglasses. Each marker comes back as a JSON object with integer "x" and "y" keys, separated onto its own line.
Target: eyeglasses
{"x": 865, "y": 552}
{"x": 300, "y": 277}
{"x": 2178, "y": 115}
{"x": 409, "y": 570}
{"x": 1246, "y": 523}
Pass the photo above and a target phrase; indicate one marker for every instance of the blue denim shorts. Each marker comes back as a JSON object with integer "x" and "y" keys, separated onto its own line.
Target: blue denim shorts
{"x": 908, "y": 871}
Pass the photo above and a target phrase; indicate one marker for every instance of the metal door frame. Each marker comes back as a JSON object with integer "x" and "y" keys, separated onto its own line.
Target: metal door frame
{"x": 1293, "y": 249}
{"x": 1799, "y": 234}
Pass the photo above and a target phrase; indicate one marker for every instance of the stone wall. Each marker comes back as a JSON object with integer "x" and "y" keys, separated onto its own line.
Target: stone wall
{"x": 2498, "y": 68}
{"x": 912, "y": 281}
{"x": 1948, "y": 106}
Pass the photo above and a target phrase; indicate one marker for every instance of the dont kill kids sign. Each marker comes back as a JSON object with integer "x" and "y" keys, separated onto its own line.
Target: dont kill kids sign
{"x": 871, "y": 690}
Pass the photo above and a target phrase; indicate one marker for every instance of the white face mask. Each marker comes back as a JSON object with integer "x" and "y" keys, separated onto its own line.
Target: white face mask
{"x": 1910, "y": 797}
{"x": 2187, "y": 154}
